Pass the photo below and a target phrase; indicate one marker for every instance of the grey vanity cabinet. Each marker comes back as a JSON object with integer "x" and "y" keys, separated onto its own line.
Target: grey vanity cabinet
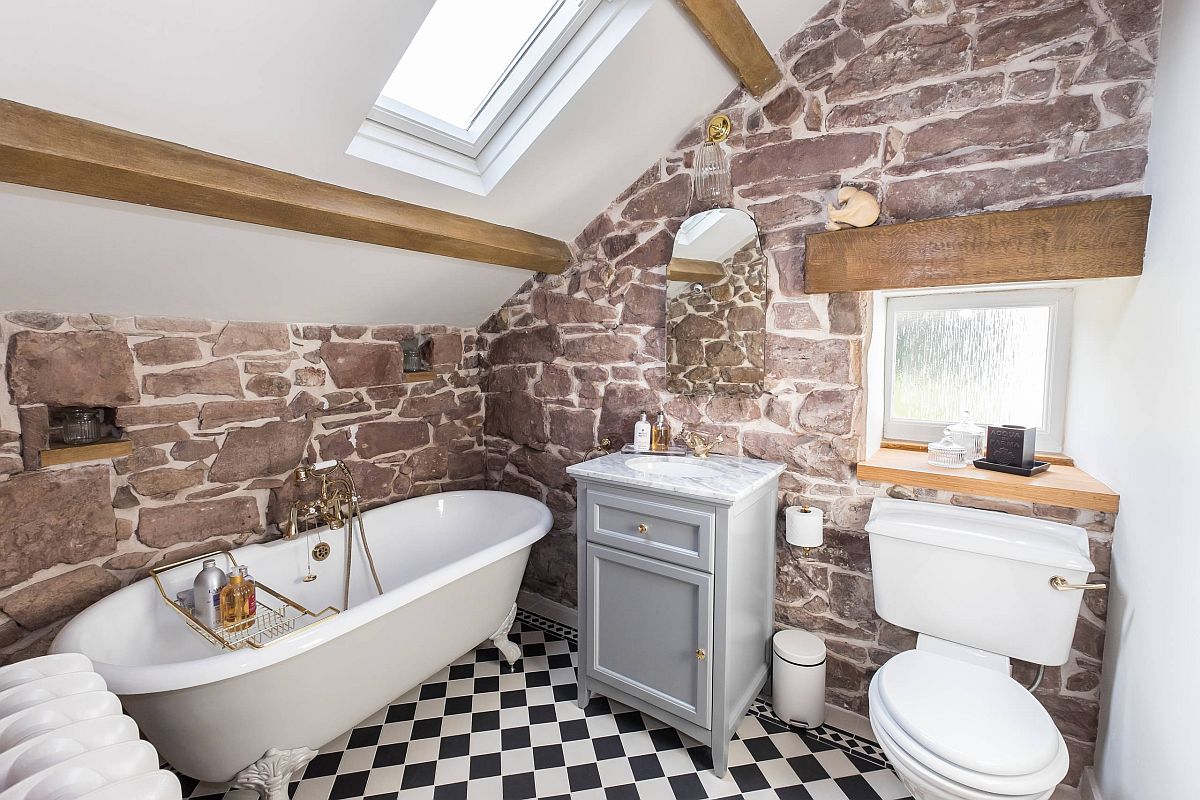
{"x": 675, "y": 606}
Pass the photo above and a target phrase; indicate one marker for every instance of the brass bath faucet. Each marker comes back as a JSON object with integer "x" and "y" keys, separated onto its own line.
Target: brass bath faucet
{"x": 337, "y": 490}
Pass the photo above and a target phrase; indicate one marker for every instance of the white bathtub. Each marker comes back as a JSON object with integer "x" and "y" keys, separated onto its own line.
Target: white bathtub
{"x": 450, "y": 564}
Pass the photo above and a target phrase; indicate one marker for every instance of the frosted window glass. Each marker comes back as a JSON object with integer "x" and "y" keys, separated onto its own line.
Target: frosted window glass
{"x": 463, "y": 49}
{"x": 990, "y": 361}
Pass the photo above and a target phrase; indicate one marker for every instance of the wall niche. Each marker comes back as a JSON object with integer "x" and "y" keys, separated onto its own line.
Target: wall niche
{"x": 54, "y": 435}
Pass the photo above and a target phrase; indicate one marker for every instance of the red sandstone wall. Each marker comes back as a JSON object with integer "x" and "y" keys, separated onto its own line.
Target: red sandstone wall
{"x": 987, "y": 104}
{"x": 219, "y": 413}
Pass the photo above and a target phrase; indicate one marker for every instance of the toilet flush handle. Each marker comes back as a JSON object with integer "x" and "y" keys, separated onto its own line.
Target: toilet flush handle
{"x": 1061, "y": 584}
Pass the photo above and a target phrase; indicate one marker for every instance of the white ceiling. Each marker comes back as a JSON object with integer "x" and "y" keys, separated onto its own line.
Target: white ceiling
{"x": 286, "y": 83}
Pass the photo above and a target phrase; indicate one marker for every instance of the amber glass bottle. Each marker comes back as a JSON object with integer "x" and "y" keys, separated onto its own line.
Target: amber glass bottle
{"x": 660, "y": 434}
{"x": 237, "y": 602}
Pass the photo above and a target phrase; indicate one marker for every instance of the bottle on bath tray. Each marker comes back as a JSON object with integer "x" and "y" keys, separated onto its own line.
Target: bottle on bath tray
{"x": 641, "y": 434}
{"x": 206, "y": 594}
{"x": 238, "y": 602}
{"x": 660, "y": 434}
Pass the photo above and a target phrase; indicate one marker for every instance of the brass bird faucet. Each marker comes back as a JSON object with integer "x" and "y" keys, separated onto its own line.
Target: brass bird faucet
{"x": 701, "y": 443}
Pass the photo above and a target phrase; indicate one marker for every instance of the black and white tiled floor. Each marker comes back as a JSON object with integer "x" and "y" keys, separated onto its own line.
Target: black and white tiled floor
{"x": 480, "y": 729}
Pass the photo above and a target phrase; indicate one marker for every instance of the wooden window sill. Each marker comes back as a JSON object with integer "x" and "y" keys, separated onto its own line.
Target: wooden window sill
{"x": 75, "y": 453}
{"x": 417, "y": 377}
{"x": 1061, "y": 485}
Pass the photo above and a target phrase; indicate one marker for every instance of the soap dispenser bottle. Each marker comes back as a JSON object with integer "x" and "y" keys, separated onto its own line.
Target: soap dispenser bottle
{"x": 641, "y": 434}
{"x": 660, "y": 434}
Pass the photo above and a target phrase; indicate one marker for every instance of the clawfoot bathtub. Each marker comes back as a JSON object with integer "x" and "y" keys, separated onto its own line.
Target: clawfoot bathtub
{"x": 450, "y": 564}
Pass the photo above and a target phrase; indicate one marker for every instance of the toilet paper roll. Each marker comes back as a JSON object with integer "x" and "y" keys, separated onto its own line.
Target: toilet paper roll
{"x": 805, "y": 526}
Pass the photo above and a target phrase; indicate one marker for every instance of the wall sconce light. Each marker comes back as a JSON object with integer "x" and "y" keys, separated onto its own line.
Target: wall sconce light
{"x": 712, "y": 187}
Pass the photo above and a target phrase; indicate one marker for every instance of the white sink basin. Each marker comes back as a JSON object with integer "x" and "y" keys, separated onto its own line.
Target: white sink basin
{"x": 672, "y": 467}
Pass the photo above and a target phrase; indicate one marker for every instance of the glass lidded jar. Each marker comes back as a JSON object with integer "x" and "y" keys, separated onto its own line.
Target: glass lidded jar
{"x": 412, "y": 360}
{"x": 81, "y": 425}
{"x": 967, "y": 435}
{"x": 947, "y": 453}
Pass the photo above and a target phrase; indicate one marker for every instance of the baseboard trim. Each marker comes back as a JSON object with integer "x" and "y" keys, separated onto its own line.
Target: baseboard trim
{"x": 544, "y": 606}
{"x": 857, "y": 724}
{"x": 1088, "y": 788}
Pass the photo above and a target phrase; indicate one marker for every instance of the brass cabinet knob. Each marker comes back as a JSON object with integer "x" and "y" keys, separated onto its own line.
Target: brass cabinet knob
{"x": 700, "y": 655}
{"x": 643, "y": 527}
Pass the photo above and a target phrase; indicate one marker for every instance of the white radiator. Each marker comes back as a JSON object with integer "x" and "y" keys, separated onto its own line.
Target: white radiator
{"x": 63, "y": 737}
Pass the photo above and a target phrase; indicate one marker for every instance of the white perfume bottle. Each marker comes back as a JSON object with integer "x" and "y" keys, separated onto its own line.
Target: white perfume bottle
{"x": 641, "y": 434}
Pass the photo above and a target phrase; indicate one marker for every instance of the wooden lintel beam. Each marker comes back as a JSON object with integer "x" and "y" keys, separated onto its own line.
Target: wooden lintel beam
{"x": 1096, "y": 239}
{"x": 725, "y": 25}
{"x": 53, "y": 151}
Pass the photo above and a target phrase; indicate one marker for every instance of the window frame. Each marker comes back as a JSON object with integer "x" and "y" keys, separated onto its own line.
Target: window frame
{"x": 1059, "y": 300}
{"x": 531, "y": 62}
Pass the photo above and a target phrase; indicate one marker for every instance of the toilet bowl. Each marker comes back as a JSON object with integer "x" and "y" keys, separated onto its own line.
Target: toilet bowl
{"x": 958, "y": 731}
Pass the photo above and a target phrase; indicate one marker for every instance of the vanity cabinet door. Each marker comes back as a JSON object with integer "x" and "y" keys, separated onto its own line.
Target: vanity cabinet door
{"x": 650, "y": 630}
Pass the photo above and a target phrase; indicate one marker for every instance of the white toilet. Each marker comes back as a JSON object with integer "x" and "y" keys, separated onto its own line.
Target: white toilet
{"x": 977, "y": 587}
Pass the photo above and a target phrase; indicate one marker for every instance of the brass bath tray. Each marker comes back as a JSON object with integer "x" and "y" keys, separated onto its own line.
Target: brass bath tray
{"x": 277, "y": 616}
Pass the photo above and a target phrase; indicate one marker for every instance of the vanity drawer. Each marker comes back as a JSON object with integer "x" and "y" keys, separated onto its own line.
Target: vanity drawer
{"x": 643, "y": 525}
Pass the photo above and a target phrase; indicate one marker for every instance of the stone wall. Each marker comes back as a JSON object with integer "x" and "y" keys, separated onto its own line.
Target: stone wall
{"x": 218, "y": 414}
{"x": 982, "y": 104}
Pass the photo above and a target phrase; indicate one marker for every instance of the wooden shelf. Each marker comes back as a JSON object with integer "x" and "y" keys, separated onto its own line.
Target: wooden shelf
{"x": 1060, "y": 485}
{"x": 417, "y": 377}
{"x": 1098, "y": 239}
{"x": 74, "y": 453}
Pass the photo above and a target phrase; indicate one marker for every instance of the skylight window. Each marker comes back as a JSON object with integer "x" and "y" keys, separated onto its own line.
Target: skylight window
{"x": 471, "y": 63}
{"x": 462, "y": 53}
{"x": 482, "y": 79}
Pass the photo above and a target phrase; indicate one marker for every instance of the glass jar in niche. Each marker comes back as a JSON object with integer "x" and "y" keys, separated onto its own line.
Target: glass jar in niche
{"x": 412, "y": 360}
{"x": 81, "y": 425}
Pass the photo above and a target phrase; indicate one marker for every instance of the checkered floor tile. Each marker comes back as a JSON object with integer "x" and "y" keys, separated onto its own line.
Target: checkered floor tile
{"x": 482, "y": 729}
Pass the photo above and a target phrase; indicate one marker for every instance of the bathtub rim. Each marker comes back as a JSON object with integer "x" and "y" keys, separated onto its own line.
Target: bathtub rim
{"x": 129, "y": 679}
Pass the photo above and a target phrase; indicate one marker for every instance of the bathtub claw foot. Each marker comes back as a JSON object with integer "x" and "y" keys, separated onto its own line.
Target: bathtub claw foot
{"x": 507, "y": 647}
{"x": 271, "y": 774}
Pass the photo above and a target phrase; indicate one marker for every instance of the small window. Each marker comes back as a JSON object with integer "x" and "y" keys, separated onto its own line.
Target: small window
{"x": 471, "y": 63}
{"x": 1002, "y": 355}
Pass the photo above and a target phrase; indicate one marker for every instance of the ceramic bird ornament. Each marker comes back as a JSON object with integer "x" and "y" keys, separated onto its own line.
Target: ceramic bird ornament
{"x": 854, "y": 209}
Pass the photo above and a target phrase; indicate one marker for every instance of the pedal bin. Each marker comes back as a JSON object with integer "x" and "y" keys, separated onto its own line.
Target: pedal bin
{"x": 798, "y": 682}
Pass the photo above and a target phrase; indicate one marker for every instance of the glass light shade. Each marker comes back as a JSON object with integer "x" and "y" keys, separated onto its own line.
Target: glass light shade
{"x": 712, "y": 187}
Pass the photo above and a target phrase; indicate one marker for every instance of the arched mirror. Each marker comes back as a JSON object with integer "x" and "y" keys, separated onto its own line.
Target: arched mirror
{"x": 716, "y": 306}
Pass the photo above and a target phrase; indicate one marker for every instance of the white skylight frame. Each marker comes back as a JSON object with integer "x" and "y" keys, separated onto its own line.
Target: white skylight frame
{"x": 431, "y": 151}
{"x": 549, "y": 39}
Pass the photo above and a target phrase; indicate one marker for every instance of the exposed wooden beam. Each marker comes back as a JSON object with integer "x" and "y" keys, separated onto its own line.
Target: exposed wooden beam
{"x": 1098, "y": 239}
{"x": 725, "y": 25}
{"x": 691, "y": 269}
{"x": 53, "y": 151}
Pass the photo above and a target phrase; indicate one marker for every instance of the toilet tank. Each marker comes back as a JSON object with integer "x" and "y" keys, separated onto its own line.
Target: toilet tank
{"x": 978, "y": 578}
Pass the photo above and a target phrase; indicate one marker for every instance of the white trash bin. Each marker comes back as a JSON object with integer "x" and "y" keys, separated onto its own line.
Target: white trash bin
{"x": 798, "y": 678}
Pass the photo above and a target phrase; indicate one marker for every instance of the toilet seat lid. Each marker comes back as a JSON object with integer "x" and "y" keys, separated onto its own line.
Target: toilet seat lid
{"x": 973, "y": 717}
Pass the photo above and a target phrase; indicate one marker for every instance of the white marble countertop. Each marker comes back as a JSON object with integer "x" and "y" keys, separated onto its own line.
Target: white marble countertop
{"x": 738, "y": 478}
